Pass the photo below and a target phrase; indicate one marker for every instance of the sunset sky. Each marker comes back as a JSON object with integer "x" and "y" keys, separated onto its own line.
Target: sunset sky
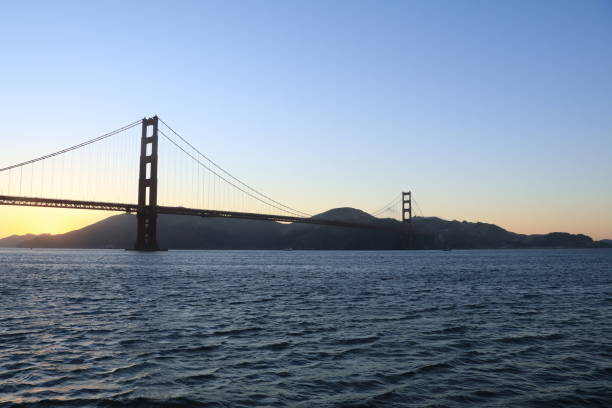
{"x": 493, "y": 111}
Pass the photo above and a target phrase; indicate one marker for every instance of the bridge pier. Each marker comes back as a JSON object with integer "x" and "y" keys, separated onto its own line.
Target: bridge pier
{"x": 146, "y": 215}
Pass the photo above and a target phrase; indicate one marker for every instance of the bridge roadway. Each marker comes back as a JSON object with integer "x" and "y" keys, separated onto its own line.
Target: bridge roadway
{"x": 133, "y": 208}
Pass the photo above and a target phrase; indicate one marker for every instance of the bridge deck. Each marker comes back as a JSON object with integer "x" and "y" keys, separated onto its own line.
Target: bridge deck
{"x": 133, "y": 208}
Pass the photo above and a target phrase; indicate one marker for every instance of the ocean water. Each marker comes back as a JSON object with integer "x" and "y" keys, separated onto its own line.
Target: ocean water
{"x": 510, "y": 328}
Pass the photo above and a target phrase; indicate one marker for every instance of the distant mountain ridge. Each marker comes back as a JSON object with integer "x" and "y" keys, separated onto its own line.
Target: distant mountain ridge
{"x": 14, "y": 240}
{"x": 183, "y": 232}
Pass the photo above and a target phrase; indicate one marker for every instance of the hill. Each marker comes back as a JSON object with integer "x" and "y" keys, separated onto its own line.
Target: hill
{"x": 182, "y": 232}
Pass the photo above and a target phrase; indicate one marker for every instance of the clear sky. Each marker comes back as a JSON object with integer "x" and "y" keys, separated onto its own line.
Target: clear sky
{"x": 497, "y": 111}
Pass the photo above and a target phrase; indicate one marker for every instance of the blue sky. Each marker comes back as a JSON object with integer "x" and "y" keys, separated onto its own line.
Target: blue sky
{"x": 498, "y": 111}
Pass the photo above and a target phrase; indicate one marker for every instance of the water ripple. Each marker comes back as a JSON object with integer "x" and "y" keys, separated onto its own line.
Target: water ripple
{"x": 303, "y": 329}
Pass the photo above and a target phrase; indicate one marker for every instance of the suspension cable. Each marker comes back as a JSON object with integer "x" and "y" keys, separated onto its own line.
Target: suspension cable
{"x": 418, "y": 207}
{"x": 376, "y": 213}
{"x": 291, "y": 210}
{"x": 104, "y": 136}
{"x": 223, "y": 178}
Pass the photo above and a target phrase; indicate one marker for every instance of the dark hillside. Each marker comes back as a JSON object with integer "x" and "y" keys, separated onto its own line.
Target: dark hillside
{"x": 183, "y": 232}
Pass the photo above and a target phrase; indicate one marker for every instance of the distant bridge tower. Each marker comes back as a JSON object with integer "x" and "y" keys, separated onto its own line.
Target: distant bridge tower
{"x": 146, "y": 235}
{"x": 407, "y": 221}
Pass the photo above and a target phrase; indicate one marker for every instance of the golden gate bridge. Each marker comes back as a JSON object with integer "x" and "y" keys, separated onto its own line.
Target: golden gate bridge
{"x": 174, "y": 177}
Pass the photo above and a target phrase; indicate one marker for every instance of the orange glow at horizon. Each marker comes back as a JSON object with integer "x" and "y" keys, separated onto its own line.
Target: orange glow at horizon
{"x": 36, "y": 220}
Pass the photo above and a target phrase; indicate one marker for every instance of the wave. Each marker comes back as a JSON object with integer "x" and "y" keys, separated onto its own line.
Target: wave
{"x": 230, "y": 332}
{"x": 528, "y": 338}
{"x": 357, "y": 340}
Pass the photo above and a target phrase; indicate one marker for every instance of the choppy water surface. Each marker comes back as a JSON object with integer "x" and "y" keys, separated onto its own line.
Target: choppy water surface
{"x": 306, "y": 329}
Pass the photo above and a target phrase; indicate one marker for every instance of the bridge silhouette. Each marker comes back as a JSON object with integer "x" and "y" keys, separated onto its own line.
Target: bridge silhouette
{"x": 60, "y": 179}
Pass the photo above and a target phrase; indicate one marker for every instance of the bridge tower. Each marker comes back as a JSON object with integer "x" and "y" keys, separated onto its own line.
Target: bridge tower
{"x": 146, "y": 235}
{"x": 407, "y": 220}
